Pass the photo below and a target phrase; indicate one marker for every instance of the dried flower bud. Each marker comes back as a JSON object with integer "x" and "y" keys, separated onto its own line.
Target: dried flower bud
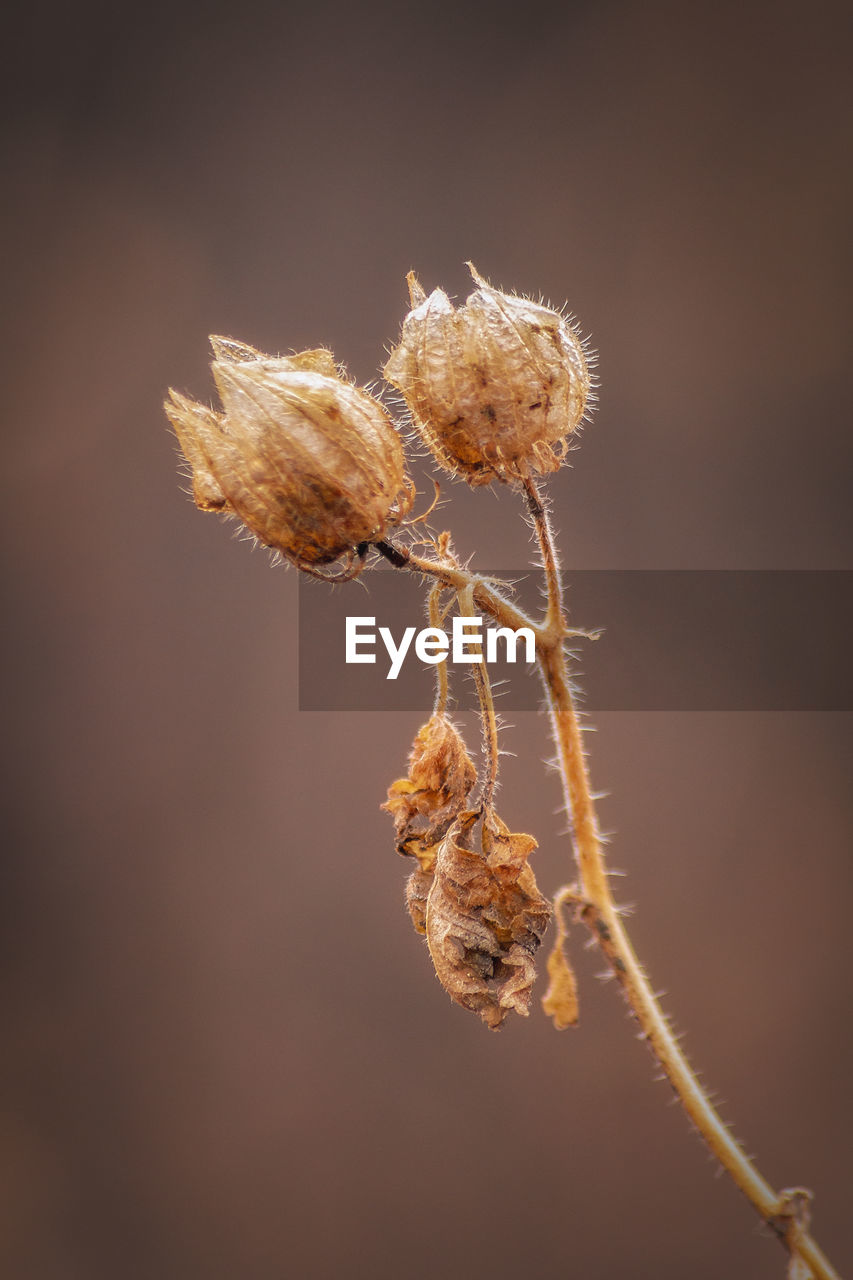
{"x": 308, "y": 461}
{"x": 496, "y": 388}
{"x": 485, "y": 917}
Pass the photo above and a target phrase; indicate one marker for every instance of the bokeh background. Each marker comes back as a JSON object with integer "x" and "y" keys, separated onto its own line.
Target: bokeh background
{"x": 224, "y": 1050}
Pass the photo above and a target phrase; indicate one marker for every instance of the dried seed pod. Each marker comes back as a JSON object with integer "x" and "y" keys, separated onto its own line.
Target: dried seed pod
{"x": 495, "y": 388}
{"x": 307, "y": 460}
{"x": 440, "y": 779}
{"x": 485, "y": 917}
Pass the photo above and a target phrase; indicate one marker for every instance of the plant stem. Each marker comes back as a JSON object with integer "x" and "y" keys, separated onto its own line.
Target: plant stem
{"x": 441, "y": 689}
{"x": 597, "y": 908}
{"x": 601, "y": 916}
{"x": 452, "y": 576}
{"x": 488, "y": 719}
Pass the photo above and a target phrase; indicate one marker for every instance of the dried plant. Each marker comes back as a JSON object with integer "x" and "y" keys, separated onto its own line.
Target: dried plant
{"x": 310, "y": 463}
{"x": 314, "y": 468}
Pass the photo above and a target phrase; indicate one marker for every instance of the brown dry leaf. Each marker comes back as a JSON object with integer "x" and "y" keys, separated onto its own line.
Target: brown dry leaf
{"x": 424, "y": 804}
{"x": 485, "y": 917}
{"x": 560, "y": 1001}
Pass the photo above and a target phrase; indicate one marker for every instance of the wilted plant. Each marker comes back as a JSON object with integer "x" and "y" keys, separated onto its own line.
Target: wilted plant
{"x": 314, "y": 467}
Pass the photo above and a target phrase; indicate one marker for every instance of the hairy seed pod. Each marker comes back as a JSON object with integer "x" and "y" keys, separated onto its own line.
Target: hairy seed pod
{"x": 308, "y": 461}
{"x": 495, "y": 388}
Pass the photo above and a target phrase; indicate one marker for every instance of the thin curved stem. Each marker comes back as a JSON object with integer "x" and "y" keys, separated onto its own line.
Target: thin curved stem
{"x": 488, "y": 719}
{"x": 555, "y": 616}
{"x": 435, "y": 619}
{"x": 602, "y": 917}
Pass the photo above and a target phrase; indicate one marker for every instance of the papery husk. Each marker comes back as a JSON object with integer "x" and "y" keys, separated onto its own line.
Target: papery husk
{"x": 311, "y": 463}
{"x": 495, "y": 387}
{"x": 485, "y": 917}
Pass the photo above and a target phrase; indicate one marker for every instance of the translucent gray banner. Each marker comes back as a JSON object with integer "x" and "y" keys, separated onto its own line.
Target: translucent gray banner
{"x": 670, "y": 640}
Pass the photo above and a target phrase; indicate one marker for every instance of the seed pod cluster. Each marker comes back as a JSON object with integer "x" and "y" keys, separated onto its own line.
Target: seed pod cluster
{"x": 495, "y": 388}
{"x": 308, "y": 461}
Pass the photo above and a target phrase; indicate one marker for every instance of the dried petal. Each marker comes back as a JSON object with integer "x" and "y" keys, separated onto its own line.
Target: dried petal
{"x": 485, "y": 917}
{"x": 496, "y": 388}
{"x": 308, "y": 461}
{"x": 198, "y": 430}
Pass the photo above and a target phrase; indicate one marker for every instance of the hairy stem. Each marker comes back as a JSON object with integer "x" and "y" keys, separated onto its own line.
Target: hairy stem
{"x": 601, "y": 916}
{"x": 435, "y": 620}
{"x": 597, "y": 908}
{"x": 556, "y": 615}
{"x": 488, "y": 718}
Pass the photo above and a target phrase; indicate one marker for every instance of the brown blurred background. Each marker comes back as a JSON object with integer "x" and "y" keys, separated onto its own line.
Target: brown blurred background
{"x": 225, "y": 1053}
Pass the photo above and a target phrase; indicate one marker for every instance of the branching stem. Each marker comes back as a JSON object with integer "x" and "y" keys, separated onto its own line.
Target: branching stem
{"x": 451, "y": 575}
{"x": 598, "y": 909}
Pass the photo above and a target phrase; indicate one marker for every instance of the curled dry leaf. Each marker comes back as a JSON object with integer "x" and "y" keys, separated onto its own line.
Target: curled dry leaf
{"x": 485, "y": 917}
{"x": 424, "y": 804}
{"x": 560, "y": 1001}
